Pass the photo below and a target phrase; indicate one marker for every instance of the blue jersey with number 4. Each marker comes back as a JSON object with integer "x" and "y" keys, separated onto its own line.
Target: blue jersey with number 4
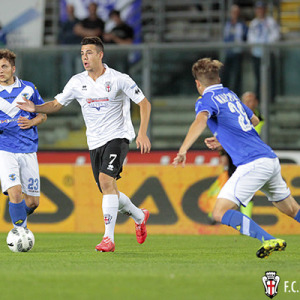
{"x": 12, "y": 137}
{"x": 229, "y": 121}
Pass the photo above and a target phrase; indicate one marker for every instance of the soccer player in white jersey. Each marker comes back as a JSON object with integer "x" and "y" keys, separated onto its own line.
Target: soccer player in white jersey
{"x": 258, "y": 168}
{"x": 104, "y": 96}
{"x": 19, "y": 171}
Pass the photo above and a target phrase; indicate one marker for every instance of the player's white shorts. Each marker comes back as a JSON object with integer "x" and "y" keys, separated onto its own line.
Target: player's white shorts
{"x": 262, "y": 174}
{"x": 20, "y": 169}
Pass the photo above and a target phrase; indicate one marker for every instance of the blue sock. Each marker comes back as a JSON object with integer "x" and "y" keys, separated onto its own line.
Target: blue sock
{"x": 245, "y": 225}
{"x": 297, "y": 218}
{"x": 18, "y": 214}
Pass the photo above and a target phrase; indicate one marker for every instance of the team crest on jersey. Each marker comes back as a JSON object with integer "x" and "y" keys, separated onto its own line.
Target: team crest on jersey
{"x": 25, "y": 95}
{"x": 108, "y": 86}
{"x": 12, "y": 177}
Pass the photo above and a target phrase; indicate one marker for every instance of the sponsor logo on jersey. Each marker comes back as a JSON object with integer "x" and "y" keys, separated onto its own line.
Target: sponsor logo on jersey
{"x": 137, "y": 91}
{"x": 12, "y": 177}
{"x": 84, "y": 88}
{"x": 93, "y": 100}
{"x": 97, "y": 103}
{"x": 8, "y": 121}
{"x": 107, "y": 86}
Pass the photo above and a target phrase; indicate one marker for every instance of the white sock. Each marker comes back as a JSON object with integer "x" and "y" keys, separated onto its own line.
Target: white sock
{"x": 126, "y": 207}
{"x": 110, "y": 204}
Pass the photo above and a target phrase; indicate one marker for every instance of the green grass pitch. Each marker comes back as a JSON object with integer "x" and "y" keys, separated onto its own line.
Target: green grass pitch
{"x": 65, "y": 266}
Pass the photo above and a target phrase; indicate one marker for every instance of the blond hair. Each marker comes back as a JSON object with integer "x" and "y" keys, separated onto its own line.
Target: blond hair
{"x": 207, "y": 71}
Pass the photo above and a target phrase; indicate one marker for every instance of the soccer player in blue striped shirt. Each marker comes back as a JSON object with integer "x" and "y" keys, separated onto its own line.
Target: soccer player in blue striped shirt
{"x": 19, "y": 171}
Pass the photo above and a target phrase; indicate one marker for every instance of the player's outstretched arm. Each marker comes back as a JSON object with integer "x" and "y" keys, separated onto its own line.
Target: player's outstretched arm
{"x": 25, "y": 123}
{"x": 194, "y": 132}
{"x": 46, "y": 108}
{"x": 142, "y": 140}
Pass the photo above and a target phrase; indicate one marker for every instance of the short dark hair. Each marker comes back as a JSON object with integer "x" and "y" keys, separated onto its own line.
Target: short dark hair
{"x": 9, "y": 55}
{"x": 114, "y": 12}
{"x": 93, "y": 40}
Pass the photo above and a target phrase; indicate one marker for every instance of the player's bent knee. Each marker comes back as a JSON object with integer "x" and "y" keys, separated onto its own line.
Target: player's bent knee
{"x": 33, "y": 205}
{"x": 106, "y": 183}
{"x": 15, "y": 194}
{"x": 293, "y": 212}
{"x": 32, "y": 201}
{"x": 106, "y": 186}
{"x": 288, "y": 206}
{"x": 217, "y": 215}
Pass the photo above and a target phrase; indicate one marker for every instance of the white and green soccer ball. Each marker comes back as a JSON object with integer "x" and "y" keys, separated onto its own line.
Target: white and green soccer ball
{"x": 20, "y": 239}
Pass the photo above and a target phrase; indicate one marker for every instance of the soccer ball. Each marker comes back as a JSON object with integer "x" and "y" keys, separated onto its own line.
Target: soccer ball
{"x": 20, "y": 239}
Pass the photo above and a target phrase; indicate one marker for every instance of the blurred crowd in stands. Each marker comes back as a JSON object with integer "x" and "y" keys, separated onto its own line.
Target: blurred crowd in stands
{"x": 72, "y": 30}
{"x": 263, "y": 29}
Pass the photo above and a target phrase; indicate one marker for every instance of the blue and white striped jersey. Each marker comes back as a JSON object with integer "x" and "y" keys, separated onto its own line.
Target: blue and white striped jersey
{"x": 229, "y": 121}
{"x": 12, "y": 137}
